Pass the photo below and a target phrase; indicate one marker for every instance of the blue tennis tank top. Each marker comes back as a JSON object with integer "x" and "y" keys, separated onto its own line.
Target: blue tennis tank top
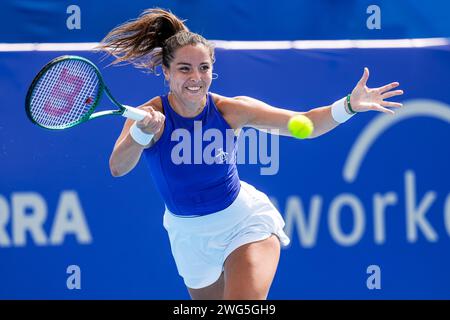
{"x": 193, "y": 164}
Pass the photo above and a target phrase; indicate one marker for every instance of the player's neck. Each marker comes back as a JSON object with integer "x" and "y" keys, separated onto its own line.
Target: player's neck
{"x": 185, "y": 108}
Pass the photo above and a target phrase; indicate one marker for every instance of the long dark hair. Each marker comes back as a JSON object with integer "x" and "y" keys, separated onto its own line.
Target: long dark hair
{"x": 151, "y": 39}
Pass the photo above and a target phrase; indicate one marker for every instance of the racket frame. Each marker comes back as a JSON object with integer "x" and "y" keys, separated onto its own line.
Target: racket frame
{"x": 89, "y": 115}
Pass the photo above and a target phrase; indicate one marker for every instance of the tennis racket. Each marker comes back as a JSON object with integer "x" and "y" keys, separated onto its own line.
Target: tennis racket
{"x": 67, "y": 91}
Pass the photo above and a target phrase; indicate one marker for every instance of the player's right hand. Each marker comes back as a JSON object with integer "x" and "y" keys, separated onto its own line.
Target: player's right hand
{"x": 153, "y": 121}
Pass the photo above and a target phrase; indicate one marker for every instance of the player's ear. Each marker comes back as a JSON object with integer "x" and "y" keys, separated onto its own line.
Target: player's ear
{"x": 166, "y": 73}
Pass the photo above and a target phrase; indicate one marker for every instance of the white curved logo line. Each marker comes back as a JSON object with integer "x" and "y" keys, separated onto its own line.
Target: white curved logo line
{"x": 410, "y": 109}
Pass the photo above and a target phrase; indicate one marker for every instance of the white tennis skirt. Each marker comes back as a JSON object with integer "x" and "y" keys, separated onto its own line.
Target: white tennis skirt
{"x": 201, "y": 244}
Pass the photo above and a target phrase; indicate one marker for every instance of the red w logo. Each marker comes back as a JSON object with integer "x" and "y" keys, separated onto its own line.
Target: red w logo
{"x": 63, "y": 94}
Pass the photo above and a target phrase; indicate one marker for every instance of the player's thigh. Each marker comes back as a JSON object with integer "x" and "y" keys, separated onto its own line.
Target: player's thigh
{"x": 250, "y": 269}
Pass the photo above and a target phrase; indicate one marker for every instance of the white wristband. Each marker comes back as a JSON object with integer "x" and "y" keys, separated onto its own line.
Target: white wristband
{"x": 140, "y": 136}
{"x": 338, "y": 111}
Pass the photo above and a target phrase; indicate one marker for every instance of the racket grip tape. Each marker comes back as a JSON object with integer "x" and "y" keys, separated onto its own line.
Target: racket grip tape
{"x": 134, "y": 113}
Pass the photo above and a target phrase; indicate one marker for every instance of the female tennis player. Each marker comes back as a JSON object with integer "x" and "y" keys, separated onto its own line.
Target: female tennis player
{"x": 225, "y": 235}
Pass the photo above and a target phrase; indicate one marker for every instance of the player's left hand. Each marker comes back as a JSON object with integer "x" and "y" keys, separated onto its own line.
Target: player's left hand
{"x": 364, "y": 99}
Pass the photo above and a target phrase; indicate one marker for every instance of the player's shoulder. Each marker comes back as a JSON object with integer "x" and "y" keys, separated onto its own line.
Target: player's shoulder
{"x": 154, "y": 102}
{"x": 225, "y": 104}
{"x": 235, "y": 110}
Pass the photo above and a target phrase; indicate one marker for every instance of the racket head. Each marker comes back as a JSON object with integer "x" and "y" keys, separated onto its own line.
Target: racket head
{"x": 64, "y": 93}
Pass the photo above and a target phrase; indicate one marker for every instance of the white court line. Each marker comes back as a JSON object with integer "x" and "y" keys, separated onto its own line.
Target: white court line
{"x": 251, "y": 45}
{"x": 333, "y": 44}
{"x": 81, "y": 46}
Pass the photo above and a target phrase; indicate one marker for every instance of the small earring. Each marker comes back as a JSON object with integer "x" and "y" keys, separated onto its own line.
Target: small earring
{"x": 214, "y": 76}
{"x": 165, "y": 83}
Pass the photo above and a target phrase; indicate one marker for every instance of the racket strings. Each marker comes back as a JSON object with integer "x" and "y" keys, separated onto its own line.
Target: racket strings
{"x": 64, "y": 94}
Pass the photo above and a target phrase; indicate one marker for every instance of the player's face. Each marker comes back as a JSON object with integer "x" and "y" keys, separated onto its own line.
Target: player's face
{"x": 190, "y": 73}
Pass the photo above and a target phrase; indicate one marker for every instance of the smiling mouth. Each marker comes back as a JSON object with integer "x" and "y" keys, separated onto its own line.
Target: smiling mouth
{"x": 194, "y": 88}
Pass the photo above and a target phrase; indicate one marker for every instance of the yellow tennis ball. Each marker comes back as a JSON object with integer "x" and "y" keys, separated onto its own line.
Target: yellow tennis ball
{"x": 300, "y": 126}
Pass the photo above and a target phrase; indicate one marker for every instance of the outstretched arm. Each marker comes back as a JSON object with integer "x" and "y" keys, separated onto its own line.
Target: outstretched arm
{"x": 258, "y": 114}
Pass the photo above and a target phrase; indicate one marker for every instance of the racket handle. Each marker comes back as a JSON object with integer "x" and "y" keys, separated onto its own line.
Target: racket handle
{"x": 134, "y": 113}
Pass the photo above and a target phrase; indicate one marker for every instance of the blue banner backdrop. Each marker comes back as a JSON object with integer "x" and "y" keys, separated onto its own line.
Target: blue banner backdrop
{"x": 373, "y": 194}
{"x": 85, "y": 20}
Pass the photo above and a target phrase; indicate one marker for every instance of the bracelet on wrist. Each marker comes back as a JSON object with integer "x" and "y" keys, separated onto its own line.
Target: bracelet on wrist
{"x": 349, "y": 106}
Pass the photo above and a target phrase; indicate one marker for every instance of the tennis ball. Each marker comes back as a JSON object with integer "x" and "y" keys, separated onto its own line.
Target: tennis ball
{"x": 300, "y": 126}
